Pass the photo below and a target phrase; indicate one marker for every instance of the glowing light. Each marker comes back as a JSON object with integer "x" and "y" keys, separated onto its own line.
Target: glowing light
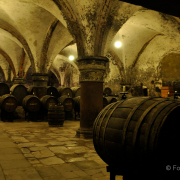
{"x": 71, "y": 58}
{"x": 118, "y": 44}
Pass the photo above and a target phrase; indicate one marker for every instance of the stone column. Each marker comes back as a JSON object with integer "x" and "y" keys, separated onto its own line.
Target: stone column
{"x": 92, "y": 70}
{"x": 40, "y": 81}
{"x": 19, "y": 80}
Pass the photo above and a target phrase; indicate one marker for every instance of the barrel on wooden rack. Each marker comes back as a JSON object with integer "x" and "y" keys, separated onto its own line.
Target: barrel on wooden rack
{"x": 77, "y": 106}
{"x": 107, "y": 91}
{"x": 46, "y": 102}
{"x": 4, "y": 89}
{"x": 105, "y": 102}
{"x": 68, "y": 104}
{"x": 56, "y": 115}
{"x": 65, "y": 91}
{"x": 20, "y": 92}
{"x": 8, "y": 104}
{"x": 31, "y": 105}
{"x": 52, "y": 91}
{"x": 76, "y": 91}
{"x": 139, "y": 136}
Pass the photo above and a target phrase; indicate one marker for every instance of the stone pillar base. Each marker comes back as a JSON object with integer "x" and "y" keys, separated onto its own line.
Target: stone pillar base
{"x": 40, "y": 91}
{"x": 85, "y": 133}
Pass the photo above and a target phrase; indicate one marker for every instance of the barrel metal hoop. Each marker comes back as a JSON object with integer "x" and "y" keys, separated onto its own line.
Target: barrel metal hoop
{"x": 102, "y": 118}
{"x": 150, "y": 123}
{"x": 126, "y": 124}
{"x": 97, "y": 119}
{"x": 141, "y": 120}
{"x": 114, "y": 108}
{"x": 158, "y": 124}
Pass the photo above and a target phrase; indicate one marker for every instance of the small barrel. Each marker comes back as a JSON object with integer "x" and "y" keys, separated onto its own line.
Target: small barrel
{"x": 48, "y": 101}
{"x": 56, "y": 115}
{"x": 31, "y": 103}
{"x": 65, "y": 91}
{"x": 8, "y": 103}
{"x": 20, "y": 92}
{"x": 67, "y": 102}
{"x": 107, "y": 91}
{"x": 52, "y": 91}
{"x": 4, "y": 89}
{"x": 76, "y": 91}
{"x": 77, "y": 103}
{"x": 30, "y": 90}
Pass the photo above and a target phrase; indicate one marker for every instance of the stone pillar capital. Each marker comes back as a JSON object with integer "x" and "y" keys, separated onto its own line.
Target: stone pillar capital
{"x": 40, "y": 79}
{"x": 19, "y": 80}
{"x": 92, "y": 68}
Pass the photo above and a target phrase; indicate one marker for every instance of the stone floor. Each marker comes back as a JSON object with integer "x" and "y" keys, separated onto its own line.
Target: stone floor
{"x": 35, "y": 151}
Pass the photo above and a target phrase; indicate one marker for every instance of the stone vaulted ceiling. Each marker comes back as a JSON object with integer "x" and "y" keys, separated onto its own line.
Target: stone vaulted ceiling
{"x": 43, "y": 33}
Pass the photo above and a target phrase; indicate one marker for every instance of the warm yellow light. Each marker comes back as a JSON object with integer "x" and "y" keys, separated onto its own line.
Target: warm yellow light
{"x": 71, "y": 58}
{"x": 118, "y": 44}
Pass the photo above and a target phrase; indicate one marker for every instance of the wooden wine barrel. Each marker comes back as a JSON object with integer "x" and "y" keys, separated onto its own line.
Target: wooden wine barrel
{"x": 107, "y": 91}
{"x": 76, "y": 91}
{"x": 8, "y": 103}
{"x": 20, "y": 92}
{"x": 111, "y": 99}
{"x": 48, "y": 101}
{"x": 52, "y": 91}
{"x": 4, "y": 89}
{"x": 56, "y": 115}
{"x": 30, "y": 90}
{"x": 67, "y": 102}
{"x": 139, "y": 134}
{"x": 65, "y": 91}
{"x": 31, "y": 103}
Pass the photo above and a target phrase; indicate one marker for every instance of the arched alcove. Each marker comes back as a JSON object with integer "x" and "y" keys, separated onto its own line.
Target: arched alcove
{"x": 170, "y": 71}
{"x": 2, "y": 76}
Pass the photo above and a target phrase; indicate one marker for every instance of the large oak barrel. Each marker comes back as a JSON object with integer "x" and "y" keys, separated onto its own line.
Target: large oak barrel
{"x": 31, "y": 103}
{"x": 138, "y": 135}
{"x": 67, "y": 102}
{"x": 48, "y": 101}
{"x": 52, "y": 91}
{"x": 8, "y": 103}
{"x": 76, "y": 91}
{"x": 65, "y": 91}
{"x": 19, "y": 91}
{"x": 107, "y": 91}
{"x": 4, "y": 89}
{"x": 77, "y": 103}
{"x": 56, "y": 115}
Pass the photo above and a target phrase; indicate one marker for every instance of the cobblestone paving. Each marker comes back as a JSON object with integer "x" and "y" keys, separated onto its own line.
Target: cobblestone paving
{"x": 33, "y": 150}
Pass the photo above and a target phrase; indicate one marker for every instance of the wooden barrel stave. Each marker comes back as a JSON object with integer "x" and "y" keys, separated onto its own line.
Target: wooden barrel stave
{"x": 8, "y": 103}
{"x": 48, "y": 100}
{"x": 56, "y": 115}
{"x": 4, "y": 89}
{"x": 52, "y": 91}
{"x": 31, "y": 103}
{"x": 67, "y": 102}
{"x": 76, "y": 91}
{"x": 65, "y": 91}
{"x": 114, "y": 133}
{"x": 19, "y": 91}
